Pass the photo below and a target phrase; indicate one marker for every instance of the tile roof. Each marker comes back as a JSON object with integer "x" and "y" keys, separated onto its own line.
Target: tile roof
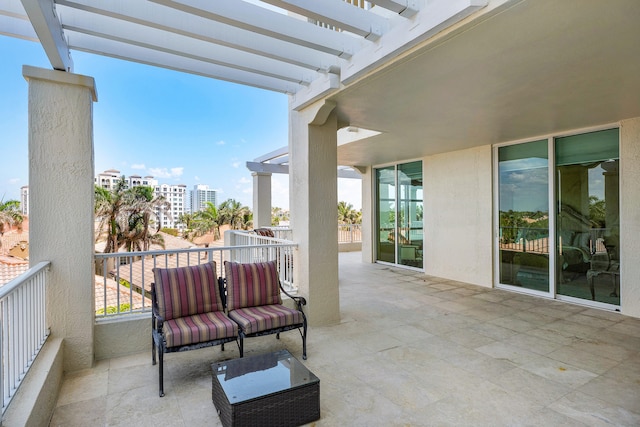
{"x": 10, "y": 268}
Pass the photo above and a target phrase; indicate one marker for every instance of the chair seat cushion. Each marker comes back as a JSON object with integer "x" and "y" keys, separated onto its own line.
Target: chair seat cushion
{"x": 198, "y": 328}
{"x": 263, "y": 318}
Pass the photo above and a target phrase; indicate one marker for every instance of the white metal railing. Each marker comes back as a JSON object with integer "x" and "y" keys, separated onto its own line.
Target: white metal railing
{"x": 23, "y": 327}
{"x": 349, "y": 233}
{"x": 123, "y": 280}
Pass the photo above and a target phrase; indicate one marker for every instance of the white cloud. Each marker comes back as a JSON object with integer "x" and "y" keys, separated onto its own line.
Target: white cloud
{"x": 166, "y": 173}
{"x": 236, "y": 164}
{"x": 138, "y": 166}
{"x": 196, "y": 178}
{"x": 221, "y": 142}
{"x": 14, "y": 180}
{"x": 244, "y": 180}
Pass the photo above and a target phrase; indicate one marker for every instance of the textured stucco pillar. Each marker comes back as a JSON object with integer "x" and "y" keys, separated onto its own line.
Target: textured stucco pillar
{"x": 61, "y": 222}
{"x": 368, "y": 246}
{"x": 261, "y": 199}
{"x": 313, "y": 184}
{"x": 630, "y": 217}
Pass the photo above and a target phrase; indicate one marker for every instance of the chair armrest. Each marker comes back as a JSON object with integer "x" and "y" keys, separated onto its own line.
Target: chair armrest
{"x": 155, "y": 312}
{"x": 300, "y": 301}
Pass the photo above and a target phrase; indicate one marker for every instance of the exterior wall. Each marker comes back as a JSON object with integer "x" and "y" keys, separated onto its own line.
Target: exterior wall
{"x": 630, "y": 216}
{"x": 61, "y": 225}
{"x": 458, "y": 215}
{"x": 127, "y": 335}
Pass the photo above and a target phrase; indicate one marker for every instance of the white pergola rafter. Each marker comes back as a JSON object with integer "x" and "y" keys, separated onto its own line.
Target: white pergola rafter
{"x": 406, "y": 8}
{"x": 148, "y": 14}
{"x": 47, "y": 26}
{"x": 305, "y": 48}
{"x": 339, "y": 14}
{"x": 80, "y": 21}
{"x": 259, "y": 20}
{"x": 143, "y": 55}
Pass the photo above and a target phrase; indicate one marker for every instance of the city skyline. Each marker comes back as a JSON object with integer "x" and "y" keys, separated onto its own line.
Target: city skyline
{"x": 178, "y": 128}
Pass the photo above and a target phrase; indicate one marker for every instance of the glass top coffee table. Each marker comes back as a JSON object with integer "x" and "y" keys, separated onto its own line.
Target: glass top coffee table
{"x": 268, "y": 389}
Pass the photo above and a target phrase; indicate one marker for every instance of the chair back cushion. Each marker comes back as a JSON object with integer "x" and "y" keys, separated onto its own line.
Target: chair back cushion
{"x": 185, "y": 291}
{"x": 252, "y": 284}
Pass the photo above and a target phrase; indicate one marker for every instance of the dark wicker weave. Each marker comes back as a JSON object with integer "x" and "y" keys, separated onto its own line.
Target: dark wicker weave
{"x": 291, "y": 407}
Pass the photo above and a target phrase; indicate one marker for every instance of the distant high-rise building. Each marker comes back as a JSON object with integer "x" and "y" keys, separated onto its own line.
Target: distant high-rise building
{"x": 176, "y": 195}
{"x": 24, "y": 200}
{"x": 200, "y": 195}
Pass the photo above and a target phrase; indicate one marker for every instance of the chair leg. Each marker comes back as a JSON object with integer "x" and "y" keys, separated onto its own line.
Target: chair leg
{"x": 153, "y": 351}
{"x": 161, "y": 369}
{"x": 304, "y": 341}
{"x": 241, "y": 344}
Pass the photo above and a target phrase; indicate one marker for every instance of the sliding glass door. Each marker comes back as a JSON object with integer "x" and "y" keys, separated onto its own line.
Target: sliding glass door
{"x": 587, "y": 218}
{"x": 523, "y": 209}
{"x": 571, "y": 251}
{"x": 399, "y": 211}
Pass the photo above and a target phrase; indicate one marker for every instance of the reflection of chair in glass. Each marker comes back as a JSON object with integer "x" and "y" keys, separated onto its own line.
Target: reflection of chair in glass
{"x": 604, "y": 263}
{"x": 410, "y": 255}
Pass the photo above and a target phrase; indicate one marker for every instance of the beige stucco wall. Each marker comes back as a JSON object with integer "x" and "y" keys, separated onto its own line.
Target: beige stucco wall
{"x": 61, "y": 195}
{"x": 123, "y": 336}
{"x": 458, "y": 215}
{"x": 630, "y": 216}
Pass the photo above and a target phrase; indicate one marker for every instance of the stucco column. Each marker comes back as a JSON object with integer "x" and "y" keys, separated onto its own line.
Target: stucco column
{"x": 629, "y": 216}
{"x": 367, "y": 189}
{"x": 261, "y": 199}
{"x": 61, "y": 226}
{"x": 313, "y": 189}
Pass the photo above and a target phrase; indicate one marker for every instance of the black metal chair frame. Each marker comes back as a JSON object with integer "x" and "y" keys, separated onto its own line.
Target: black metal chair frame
{"x": 299, "y": 301}
{"x": 158, "y": 340}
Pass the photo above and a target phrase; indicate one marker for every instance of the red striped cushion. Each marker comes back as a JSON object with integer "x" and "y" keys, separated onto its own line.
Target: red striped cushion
{"x": 263, "y": 318}
{"x": 185, "y": 291}
{"x": 252, "y": 284}
{"x": 199, "y": 328}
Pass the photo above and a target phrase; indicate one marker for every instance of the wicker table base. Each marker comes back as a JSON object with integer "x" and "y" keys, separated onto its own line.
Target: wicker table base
{"x": 265, "y": 390}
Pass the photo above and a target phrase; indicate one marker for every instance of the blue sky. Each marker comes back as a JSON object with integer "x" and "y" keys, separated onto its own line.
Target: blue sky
{"x": 180, "y": 128}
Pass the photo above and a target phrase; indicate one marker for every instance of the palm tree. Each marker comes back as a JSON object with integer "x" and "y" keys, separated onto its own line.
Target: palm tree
{"x": 139, "y": 213}
{"x": 189, "y": 220}
{"x": 108, "y": 207}
{"x": 126, "y": 216}
{"x": 208, "y": 220}
{"x": 348, "y": 215}
{"x": 9, "y": 215}
{"x": 233, "y": 213}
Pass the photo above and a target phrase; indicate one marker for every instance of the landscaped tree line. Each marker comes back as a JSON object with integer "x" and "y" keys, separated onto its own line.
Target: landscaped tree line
{"x": 128, "y": 217}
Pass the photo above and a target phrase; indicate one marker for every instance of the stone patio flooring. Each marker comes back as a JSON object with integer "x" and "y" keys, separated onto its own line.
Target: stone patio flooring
{"x": 411, "y": 350}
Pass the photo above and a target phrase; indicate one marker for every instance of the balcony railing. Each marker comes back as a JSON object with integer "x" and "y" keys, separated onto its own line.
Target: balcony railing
{"x": 23, "y": 327}
{"x": 123, "y": 280}
{"x": 349, "y": 233}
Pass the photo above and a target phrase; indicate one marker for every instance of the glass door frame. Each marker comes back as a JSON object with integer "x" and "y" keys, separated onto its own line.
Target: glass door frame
{"x": 376, "y": 210}
{"x": 552, "y": 222}
{"x": 553, "y": 211}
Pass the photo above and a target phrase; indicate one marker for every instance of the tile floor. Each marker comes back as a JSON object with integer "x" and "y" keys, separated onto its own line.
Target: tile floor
{"x": 411, "y": 350}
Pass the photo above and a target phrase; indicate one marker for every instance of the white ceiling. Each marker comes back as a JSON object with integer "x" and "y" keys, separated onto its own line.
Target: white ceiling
{"x": 528, "y": 69}
{"x": 430, "y": 75}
